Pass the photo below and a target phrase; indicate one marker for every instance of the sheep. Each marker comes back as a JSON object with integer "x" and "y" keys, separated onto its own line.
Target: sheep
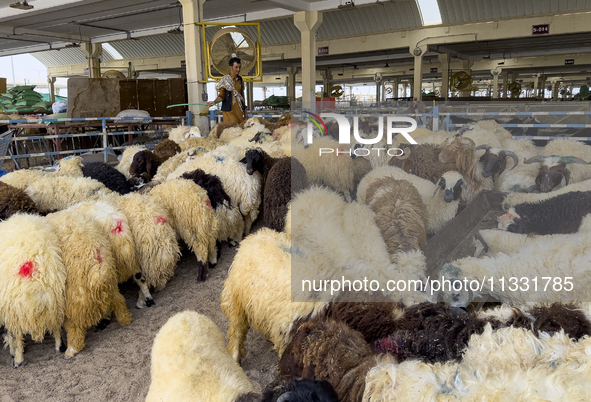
{"x": 334, "y": 169}
{"x": 230, "y": 221}
{"x": 155, "y": 241}
{"x": 513, "y": 199}
{"x": 32, "y": 282}
{"x": 145, "y": 164}
{"x": 441, "y": 208}
{"x": 181, "y": 133}
{"x": 257, "y": 292}
{"x": 166, "y": 149}
{"x": 190, "y": 362}
{"x": 282, "y": 177}
{"x": 561, "y": 255}
{"x": 401, "y": 214}
{"x": 300, "y": 391}
{"x": 551, "y": 319}
{"x": 329, "y": 350}
{"x": 127, "y": 159}
{"x": 115, "y": 225}
{"x": 109, "y": 176}
{"x": 14, "y": 200}
{"x": 243, "y": 189}
{"x": 575, "y": 155}
{"x": 70, "y": 166}
{"x": 91, "y": 276}
{"x": 22, "y": 178}
{"x": 194, "y": 142}
{"x": 173, "y": 163}
{"x": 192, "y": 217}
{"x": 559, "y": 215}
{"x": 230, "y": 133}
{"x": 219, "y": 128}
{"x": 374, "y": 320}
{"x": 432, "y": 333}
{"x": 60, "y": 192}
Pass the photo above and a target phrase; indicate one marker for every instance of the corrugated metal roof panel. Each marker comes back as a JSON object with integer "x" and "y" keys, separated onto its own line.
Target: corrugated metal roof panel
{"x": 150, "y": 46}
{"x": 65, "y": 57}
{"x": 461, "y": 11}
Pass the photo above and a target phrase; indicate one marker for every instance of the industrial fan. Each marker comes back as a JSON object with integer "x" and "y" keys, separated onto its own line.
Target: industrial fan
{"x": 336, "y": 91}
{"x": 515, "y": 89}
{"x": 232, "y": 42}
{"x": 461, "y": 81}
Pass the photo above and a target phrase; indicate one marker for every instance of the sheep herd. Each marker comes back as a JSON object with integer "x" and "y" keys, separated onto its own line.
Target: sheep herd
{"x": 72, "y": 234}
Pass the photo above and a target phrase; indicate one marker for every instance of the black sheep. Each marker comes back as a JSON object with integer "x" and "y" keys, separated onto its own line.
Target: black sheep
{"x": 145, "y": 164}
{"x": 432, "y": 333}
{"x": 113, "y": 179}
{"x": 561, "y": 316}
{"x": 300, "y": 390}
{"x": 282, "y": 177}
{"x": 562, "y": 214}
{"x": 212, "y": 184}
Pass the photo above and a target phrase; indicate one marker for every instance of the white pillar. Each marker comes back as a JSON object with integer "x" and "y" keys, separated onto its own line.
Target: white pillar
{"x": 92, "y": 51}
{"x": 308, "y": 22}
{"x": 326, "y": 82}
{"x": 193, "y": 12}
{"x": 378, "y": 88}
{"x": 495, "y": 92}
{"x": 411, "y": 87}
{"x": 536, "y": 83}
{"x": 395, "y": 85}
{"x": 418, "y": 74}
{"x": 555, "y": 89}
{"x": 444, "y": 59}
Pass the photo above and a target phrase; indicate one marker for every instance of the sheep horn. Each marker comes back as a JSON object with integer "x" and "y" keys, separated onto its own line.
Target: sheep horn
{"x": 464, "y": 185}
{"x": 479, "y": 237}
{"x": 573, "y": 159}
{"x": 405, "y": 155}
{"x": 437, "y": 186}
{"x": 256, "y": 137}
{"x": 483, "y": 146}
{"x": 532, "y": 188}
{"x": 464, "y": 128}
{"x": 515, "y": 158}
{"x": 535, "y": 159}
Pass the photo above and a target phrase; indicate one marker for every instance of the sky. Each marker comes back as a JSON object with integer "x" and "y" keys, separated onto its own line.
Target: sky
{"x": 26, "y": 67}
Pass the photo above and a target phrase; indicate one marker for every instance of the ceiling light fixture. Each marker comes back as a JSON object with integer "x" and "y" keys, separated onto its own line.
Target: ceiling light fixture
{"x": 71, "y": 45}
{"x": 349, "y": 5}
{"x": 21, "y": 5}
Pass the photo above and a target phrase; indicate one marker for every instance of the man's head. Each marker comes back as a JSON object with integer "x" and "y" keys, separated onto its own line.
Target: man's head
{"x": 234, "y": 64}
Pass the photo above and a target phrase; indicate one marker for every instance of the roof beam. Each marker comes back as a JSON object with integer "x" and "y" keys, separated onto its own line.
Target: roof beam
{"x": 14, "y": 31}
{"x": 446, "y": 50}
{"x": 291, "y": 5}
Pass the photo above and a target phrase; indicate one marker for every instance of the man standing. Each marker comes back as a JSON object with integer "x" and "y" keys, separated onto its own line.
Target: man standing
{"x": 231, "y": 92}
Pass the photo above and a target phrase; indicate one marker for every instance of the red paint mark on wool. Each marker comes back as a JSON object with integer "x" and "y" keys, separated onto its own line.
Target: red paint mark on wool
{"x": 99, "y": 256}
{"x": 118, "y": 228}
{"x": 161, "y": 220}
{"x": 27, "y": 269}
{"x": 208, "y": 203}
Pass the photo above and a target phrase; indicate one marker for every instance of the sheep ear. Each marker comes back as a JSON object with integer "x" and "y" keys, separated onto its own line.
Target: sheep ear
{"x": 566, "y": 176}
{"x": 4, "y": 213}
{"x": 243, "y": 160}
{"x": 439, "y": 184}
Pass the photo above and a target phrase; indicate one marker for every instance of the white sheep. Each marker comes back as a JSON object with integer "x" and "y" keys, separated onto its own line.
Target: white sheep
{"x": 91, "y": 276}
{"x": 258, "y": 292}
{"x": 22, "y": 178}
{"x": 192, "y": 217}
{"x": 190, "y": 362}
{"x": 334, "y": 169}
{"x": 440, "y": 207}
{"x": 32, "y": 282}
{"x": 244, "y": 190}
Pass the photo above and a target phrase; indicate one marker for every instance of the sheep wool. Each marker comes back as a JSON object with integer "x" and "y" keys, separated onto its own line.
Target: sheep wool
{"x": 14, "y": 200}
{"x": 71, "y": 166}
{"x": 244, "y": 190}
{"x": 116, "y": 226}
{"x": 190, "y": 362}
{"x": 32, "y": 281}
{"x": 257, "y": 292}
{"x": 155, "y": 240}
{"x": 192, "y": 217}
{"x": 22, "y": 178}
{"x": 127, "y": 158}
{"x": 91, "y": 276}
{"x": 60, "y": 192}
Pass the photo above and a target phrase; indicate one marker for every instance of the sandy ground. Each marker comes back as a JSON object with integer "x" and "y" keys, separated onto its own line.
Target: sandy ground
{"x": 115, "y": 365}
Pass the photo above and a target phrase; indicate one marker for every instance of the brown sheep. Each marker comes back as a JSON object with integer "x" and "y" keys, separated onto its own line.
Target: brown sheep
{"x": 329, "y": 350}
{"x": 400, "y": 214}
{"x": 166, "y": 149}
{"x": 217, "y": 130}
{"x": 145, "y": 165}
{"x": 13, "y": 200}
